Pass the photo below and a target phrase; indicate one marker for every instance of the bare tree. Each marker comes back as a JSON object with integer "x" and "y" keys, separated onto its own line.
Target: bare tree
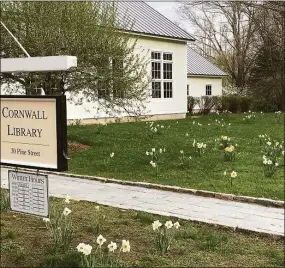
{"x": 224, "y": 30}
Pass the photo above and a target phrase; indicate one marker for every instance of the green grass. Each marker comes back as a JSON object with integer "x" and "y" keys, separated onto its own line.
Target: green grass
{"x": 193, "y": 245}
{"x": 129, "y": 142}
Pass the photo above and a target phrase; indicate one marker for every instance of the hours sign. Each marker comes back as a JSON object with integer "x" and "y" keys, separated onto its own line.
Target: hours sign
{"x": 33, "y": 132}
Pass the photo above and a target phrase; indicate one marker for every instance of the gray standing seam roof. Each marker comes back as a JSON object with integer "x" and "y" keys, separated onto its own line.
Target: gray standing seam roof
{"x": 149, "y": 21}
{"x": 198, "y": 65}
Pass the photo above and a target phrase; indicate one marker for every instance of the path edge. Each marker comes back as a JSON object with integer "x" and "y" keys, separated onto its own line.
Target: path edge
{"x": 231, "y": 197}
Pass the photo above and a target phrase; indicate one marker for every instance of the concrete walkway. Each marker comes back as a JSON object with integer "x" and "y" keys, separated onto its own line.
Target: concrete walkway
{"x": 185, "y": 206}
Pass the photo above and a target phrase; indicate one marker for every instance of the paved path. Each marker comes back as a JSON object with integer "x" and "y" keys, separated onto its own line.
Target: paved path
{"x": 185, "y": 206}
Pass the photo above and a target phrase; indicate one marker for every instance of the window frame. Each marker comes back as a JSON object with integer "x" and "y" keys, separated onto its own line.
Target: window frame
{"x": 209, "y": 88}
{"x": 166, "y": 84}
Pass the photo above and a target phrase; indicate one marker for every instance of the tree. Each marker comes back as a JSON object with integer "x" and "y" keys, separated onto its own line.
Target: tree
{"x": 225, "y": 30}
{"x": 267, "y": 81}
{"x": 109, "y": 71}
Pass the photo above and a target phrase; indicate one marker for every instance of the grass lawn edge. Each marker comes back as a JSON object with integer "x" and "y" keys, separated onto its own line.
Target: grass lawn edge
{"x": 231, "y": 197}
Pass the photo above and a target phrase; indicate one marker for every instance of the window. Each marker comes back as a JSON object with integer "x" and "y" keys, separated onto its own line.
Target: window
{"x": 161, "y": 73}
{"x": 208, "y": 90}
{"x": 118, "y": 75}
{"x": 187, "y": 90}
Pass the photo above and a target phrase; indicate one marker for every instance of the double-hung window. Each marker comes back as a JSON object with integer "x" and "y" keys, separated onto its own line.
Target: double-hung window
{"x": 208, "y": 90}
{"x": 162, "y": 74}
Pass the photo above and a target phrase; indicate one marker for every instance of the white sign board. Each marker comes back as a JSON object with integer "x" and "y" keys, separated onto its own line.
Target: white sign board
{"x": 38, "y": 64}
{"x": 29, "y": 193}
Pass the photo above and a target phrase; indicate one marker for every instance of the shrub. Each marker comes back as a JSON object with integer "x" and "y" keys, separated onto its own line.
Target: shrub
{"x": 191, "y": 102}
{"x": 206, "y": 104}
{"x": 231, "y": 103}
{"x": 245, "y": 103}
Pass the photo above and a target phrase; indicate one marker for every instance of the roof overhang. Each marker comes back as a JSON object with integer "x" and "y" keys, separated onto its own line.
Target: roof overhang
{"x": 207, "y": 75}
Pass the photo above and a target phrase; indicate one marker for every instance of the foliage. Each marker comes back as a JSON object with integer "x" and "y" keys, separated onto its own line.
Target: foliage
{"x": 206, "y": 103}
{"x": 191, "y": 102}
{"x": 60, "y": 227}
{"x": 110, "y": 73}
{"x": 4, "y": 200}
{"x": 164, "y": 235}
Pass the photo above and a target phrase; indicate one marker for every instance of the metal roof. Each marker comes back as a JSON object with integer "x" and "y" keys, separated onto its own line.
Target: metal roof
{"x": 148, "y": 21}
{"x": 198, "y": 65}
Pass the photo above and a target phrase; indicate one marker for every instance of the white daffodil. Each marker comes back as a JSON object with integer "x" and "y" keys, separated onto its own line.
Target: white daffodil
{"x": 190, "y": 157}
{"x": 199, "y": 145}
{"x": 209, "y": 124}
{"x": 264, "y": 157}
{"x": 187, "y": 134}
{"x": 150, "y": 153}
{"x": 233, "y": 174}
{"x": 66, "y": 211}
{"x": 282, "y": 152}
{"x": 156, "y": 225}
{"x": 168, "y": 224}
{"x": 181, "y": 151}
{"x": 277, "y": 143}
{"x": 152, "y": 163}
{"x": 225, "y": 173}
{"x": 276, "y": 164}
{"x": 268, "y": 143}
{"x": 194, "y": 143}
{"x": 46, "y": 219}
{"x": 153, "y": 149}
{"x": 229, "y": 124}
{"x": 269, "y": 162}
{"x": 97, "y": 208}
{"x": 160, "y": 150}
{"x": 112, "y": 246}
{"x": 204, "y": 145}
{"x": 100, "y": 240}
{"x": 87, "y": 250}
{"x": 80, "y": 247}
{"x": 176, "y": 225}
{"x": 147, "y": 153}
{"x": 112, "y": 154}
{"x": 164, "y": 150}
{"x": 126, "y": 246}
{"x": 67, "y": 199}
{"x": 265, "y": 161}
{"x": 162, "y": 126}
{"x": 193, "y": 122}
{"x": 155, "y": 129}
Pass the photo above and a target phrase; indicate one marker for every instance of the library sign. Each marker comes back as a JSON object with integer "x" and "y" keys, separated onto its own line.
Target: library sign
{"x": 34, "y": 132}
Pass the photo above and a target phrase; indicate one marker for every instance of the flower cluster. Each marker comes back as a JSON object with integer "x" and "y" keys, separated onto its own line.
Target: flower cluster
{"x": 269, "y": 166}
{"x": 155, "y": 157}
{"x": 155, "y": 129}
{"x": 199, "y": 147}
{"x": 184, "y": 160}
{"x": 99, "y": 254}
{"x": 249, "y": 117}
{"x": 163, "y": 235}
{"x": 229, "y": 153}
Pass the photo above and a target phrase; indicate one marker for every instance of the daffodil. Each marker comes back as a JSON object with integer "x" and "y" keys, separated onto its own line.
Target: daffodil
{"x": 181, "y": 151}
{"x": 112, "y": 246}
{"x": 46, "y": 219}
{"x": 153, "y": 149}
{"x": 126, "y": 246}
{"x": 67, "y": 199}
{"x": 66, "y": 211}
{"x": 168, "y": 224}
{"x": 156, "y": 224}
{"x": 233, "y": 174}
{"x": 152, "y": 163}
{"x": 112, "y": 154}
{"x": 100, "y": 240}
{"x": 176, "y": 225}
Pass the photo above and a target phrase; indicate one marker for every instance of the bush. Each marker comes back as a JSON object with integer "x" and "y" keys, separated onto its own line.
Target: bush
{"x": 206, "y": 104}
{"x": 191, "y": 102}
{"x": 231, "y": 103}
{"x": 245, "y": 103}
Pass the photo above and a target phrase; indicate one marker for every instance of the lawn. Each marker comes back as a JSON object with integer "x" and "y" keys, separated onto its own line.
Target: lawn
{"x": 130, "y": 141}
{"x": 25, "y": 241}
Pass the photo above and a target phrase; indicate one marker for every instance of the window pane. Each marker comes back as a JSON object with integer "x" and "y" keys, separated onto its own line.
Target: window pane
{"x": 167, "y": 56}
{"x": 167, "y": 89}
{"x": 155, "y": 55}
{"x": 156, "y": 89}
{"x": 167, "y": 70}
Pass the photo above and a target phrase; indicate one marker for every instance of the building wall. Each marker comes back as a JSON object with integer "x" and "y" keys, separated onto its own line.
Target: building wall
{"x": 171, "y": 106}
{"x": 197, "y": 85}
